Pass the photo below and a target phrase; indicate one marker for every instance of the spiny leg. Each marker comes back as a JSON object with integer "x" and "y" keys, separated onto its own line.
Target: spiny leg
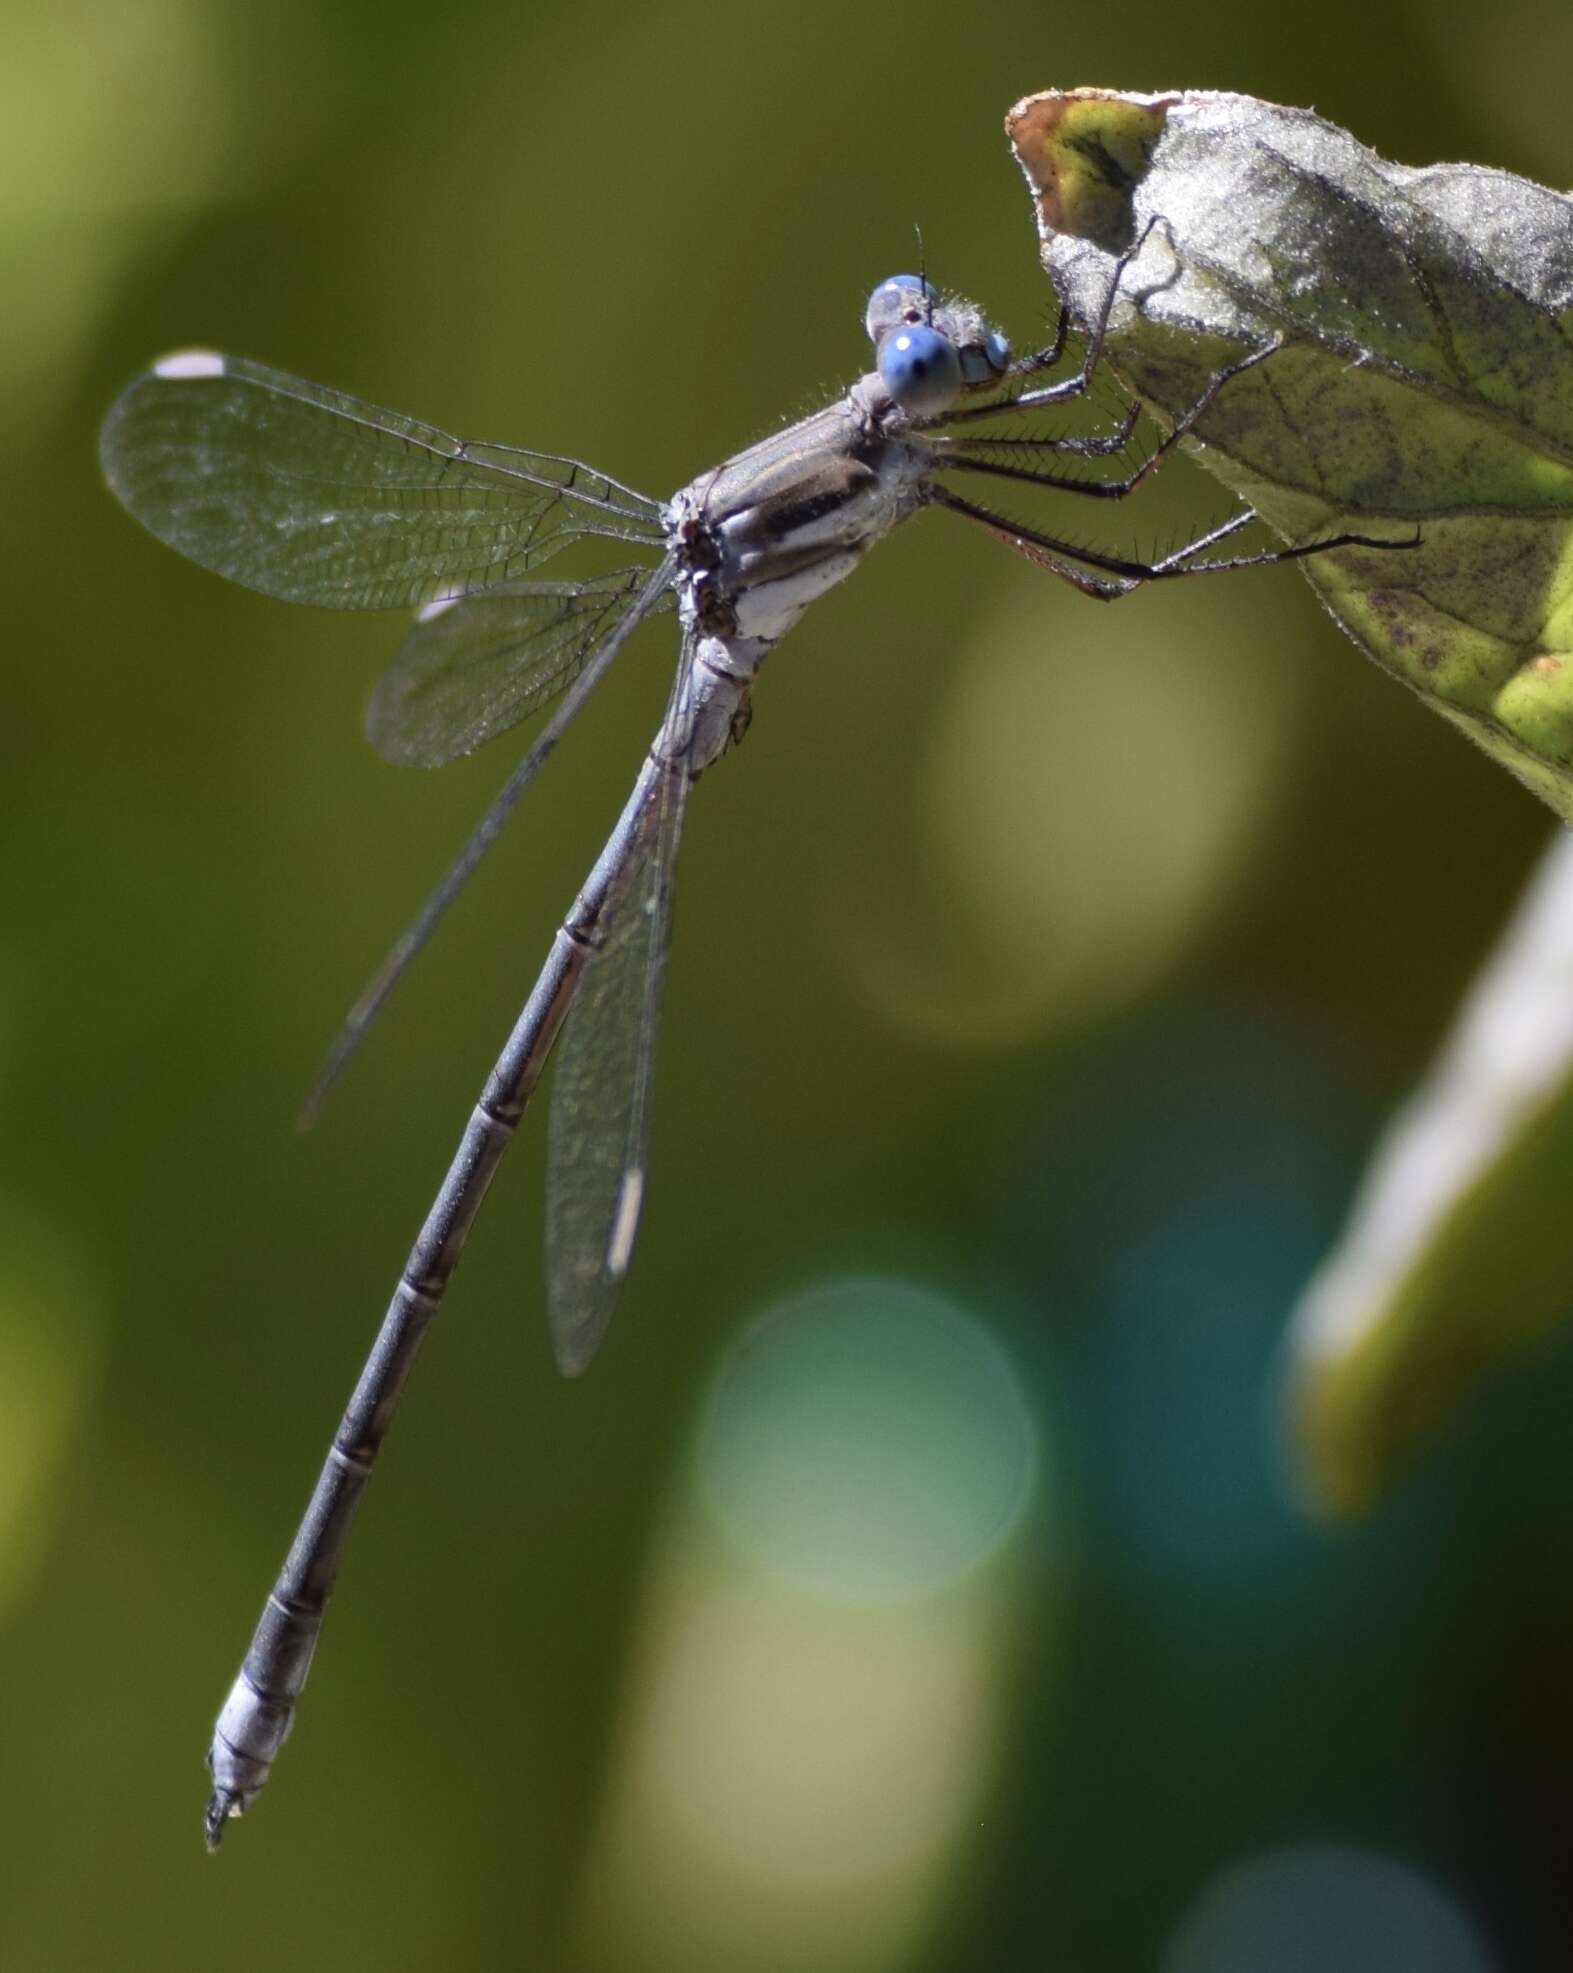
{"x": 1092, "y": 353}
{"x": 948, "y": 460}
{"x": 1091, "y": 445}
{"x": 1121, "y": 574}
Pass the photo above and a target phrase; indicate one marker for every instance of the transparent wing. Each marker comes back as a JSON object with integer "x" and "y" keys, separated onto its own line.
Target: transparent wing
{"x": 316, "y": 497}
{"x": 601, "y": 1097}
{"x": 654, "y": 595}
{"x": 474, "y": 665}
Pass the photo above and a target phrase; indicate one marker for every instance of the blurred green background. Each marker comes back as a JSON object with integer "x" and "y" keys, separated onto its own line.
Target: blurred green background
{"x": 915, "y": 1582}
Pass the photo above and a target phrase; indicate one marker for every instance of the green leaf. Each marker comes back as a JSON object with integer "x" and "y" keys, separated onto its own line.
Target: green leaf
{"x": 1458, "y": 1255}
{"x": 1424, "y": 380}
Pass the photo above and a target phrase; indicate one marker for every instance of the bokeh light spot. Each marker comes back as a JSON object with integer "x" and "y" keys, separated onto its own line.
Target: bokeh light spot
{"x": 1086, "y": 808}
{"x": 868, "y": 1442}
{"x": 1313, "y": 1906}
{"x": 49, "y": 1357}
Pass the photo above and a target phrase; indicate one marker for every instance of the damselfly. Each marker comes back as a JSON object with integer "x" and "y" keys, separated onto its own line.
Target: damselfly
{"x": 315, "y": 497}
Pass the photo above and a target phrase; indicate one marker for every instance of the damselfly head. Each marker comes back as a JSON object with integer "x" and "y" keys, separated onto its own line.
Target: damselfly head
{"x": 929, "y": 348}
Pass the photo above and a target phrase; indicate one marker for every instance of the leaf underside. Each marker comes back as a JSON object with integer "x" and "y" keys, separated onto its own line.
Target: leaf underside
{"x": 1424, "y": 381}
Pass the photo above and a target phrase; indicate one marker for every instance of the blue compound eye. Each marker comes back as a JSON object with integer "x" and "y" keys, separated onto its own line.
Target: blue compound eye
{"x": 920, "y": 369}
{"x": 903, "y": 298}
{"x": 982, "y": 362}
